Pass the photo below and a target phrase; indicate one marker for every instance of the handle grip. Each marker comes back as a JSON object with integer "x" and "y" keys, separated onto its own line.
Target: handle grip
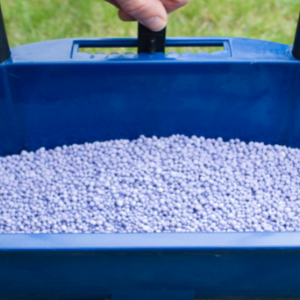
{"x": 151, "y": 41}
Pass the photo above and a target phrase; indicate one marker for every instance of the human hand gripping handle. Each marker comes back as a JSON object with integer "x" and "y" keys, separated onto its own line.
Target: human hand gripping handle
{"x": 151, "y": 13}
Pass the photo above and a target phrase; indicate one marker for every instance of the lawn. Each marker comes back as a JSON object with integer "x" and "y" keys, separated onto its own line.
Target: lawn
{"x": 37, "y": 20}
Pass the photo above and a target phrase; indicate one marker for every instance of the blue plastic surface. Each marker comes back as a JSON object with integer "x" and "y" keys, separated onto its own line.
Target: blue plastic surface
{"x": 51, "y": 94}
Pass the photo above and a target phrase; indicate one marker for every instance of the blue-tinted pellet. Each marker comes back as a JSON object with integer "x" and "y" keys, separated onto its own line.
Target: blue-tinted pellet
{"x": 174, "y": 184}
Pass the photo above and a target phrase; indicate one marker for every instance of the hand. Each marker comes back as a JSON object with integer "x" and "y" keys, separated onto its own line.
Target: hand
{"x": 151, "y": 13}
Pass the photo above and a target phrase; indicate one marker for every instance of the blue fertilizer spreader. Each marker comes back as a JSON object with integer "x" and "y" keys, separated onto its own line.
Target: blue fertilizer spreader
{"x": 53, "y": 94}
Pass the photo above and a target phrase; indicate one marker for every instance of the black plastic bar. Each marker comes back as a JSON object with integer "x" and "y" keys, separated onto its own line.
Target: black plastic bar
{"x": 151, "y": 41}
{"x": 296, "y": 48}
{"x": 4, "y": 47}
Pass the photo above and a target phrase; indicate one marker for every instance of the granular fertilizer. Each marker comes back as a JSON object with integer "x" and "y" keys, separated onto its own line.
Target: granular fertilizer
{"x": 174, "y": 184}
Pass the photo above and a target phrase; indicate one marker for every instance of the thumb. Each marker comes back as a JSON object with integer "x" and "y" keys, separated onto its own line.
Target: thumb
{"x": 150, "y": 13}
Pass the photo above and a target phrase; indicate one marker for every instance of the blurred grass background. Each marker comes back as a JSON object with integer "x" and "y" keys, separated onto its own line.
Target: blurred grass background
{"x": 30, "y": 21}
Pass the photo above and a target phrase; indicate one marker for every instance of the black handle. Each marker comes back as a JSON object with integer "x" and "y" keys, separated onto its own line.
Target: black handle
{"x": 4, "y": 47}
{"x": 296, "y": 48}
{"x": 151, "y": 41}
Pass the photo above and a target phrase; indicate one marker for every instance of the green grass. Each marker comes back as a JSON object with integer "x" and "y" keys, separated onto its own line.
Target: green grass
{"x": 38, "y": 20}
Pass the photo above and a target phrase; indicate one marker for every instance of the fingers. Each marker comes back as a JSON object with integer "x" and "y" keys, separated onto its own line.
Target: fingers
{"x": 113, "y": 2}
{"x": 171, "y": 5}
{"x": 125, "y": 16}
{"x": 122, "y": 14}
{"x": 150, "y": 13}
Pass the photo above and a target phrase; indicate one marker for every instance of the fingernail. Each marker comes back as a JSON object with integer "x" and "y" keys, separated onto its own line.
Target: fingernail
{"x": 154, "y": 23}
